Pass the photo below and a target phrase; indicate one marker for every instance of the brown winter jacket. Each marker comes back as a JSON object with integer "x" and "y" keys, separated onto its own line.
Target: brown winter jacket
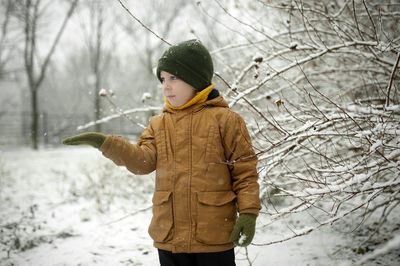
{"x": 197, "y": 192}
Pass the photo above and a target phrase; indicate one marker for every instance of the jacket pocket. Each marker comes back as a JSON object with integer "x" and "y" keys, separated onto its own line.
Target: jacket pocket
{"x": 216, "y": 215}
{"x": 160, "y": 228}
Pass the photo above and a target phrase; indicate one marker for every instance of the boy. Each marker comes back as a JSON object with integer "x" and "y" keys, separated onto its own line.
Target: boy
{"x": 205, "y": 165}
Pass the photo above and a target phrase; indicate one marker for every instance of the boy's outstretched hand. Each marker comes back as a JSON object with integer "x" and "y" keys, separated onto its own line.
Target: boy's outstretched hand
{"x": 244, "y": 229}
{"x": 89, "y": 138}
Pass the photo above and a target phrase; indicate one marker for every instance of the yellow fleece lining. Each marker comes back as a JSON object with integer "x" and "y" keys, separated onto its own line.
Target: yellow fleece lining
{"x": 200, "y": 97}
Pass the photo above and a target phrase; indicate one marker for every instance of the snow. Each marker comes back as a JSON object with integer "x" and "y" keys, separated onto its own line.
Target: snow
{"x": 103, "y": 92}
{"x": 146, "y": 96}
{"x": 394, "y": 243}
{"x": 394, "y": 108}
{"x": 73, "y": 231}
{"x": 242, "y": 238}
{"x": 293, "y": 45}
{"x": 71, "y": 206}
{"x": 376, "y": 145}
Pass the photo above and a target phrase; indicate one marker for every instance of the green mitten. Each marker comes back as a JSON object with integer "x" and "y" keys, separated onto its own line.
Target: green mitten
{"x": 244, "y": 229}
{"x": 89, "y": 138}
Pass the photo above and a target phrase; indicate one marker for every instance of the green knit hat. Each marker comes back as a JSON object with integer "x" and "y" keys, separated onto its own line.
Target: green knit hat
{"x": 190, "y": 61}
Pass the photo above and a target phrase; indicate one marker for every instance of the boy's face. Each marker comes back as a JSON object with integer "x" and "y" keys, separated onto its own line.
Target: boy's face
{"x": 175, "y": 90}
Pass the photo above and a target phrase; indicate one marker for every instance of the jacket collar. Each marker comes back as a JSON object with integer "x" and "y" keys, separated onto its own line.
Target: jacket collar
{"x": 218, "y": 101}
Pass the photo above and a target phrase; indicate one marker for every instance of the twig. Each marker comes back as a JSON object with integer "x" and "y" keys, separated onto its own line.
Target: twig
{"x": 343, "y": 110}
{"x": 306, "y": 231}
{"x": 355, "y": 19}
{"x": 143, "y": 25}
{"x": 386, "y": 248}
{"x": 372, "y": 21}
{"x": 391, "y": 80}
{"x": 247, "y": 257}
{"x": 121, "y": 112}
{"x": 341, "y": 9}
{"x": 250, "y": 26}
{"x": 114, "y": 116}
{"x": 280, "y": 130}
{"x": 130, "y": 214}
{"x": 56, "y": 41}
{"x": 300, "y": 62}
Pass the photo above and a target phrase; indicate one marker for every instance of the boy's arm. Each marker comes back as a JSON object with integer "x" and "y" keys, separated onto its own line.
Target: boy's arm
{"x": 239, "y": 151}
{"x": 138, "y": 158}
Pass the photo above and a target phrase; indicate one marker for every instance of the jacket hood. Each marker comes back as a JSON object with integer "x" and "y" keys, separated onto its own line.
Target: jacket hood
{"x": 219, "y": 101}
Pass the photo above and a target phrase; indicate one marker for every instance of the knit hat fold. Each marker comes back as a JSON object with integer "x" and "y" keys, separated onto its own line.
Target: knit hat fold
{"x": 190, "y": 61}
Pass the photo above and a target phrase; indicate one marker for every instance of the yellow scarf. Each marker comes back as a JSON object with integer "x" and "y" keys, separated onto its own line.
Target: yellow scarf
{"x": 200, "y": 97}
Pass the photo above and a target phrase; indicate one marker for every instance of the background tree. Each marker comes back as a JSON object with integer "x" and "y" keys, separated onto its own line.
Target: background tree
{"x": 6, "y": 48}
{"x": 97, "y": 32}
{"x": 30, "y": 14}
{"x": 6, "y": 41}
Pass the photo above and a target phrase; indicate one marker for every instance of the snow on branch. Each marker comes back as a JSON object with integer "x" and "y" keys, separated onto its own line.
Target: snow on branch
{"x": 126, "y": 112}
{"x": 309, "y": 58}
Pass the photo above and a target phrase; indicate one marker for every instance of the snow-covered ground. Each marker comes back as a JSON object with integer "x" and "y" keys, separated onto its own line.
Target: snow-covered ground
{"x": 71, "y": 206}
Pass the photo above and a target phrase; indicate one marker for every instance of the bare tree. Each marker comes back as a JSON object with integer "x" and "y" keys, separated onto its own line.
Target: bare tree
{"x": 6, "y": 48}
{"x": 30, "y": 13}
{"x": 9, "y": 39}
{"x": 6, "y": 8}
{"x": 96, "y": 29}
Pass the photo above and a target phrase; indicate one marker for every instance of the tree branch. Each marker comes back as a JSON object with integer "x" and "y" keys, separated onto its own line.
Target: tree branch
{"x": 143, "y": 25}
{"x": 54, "y": 44}
{"x": 391, "y": 80}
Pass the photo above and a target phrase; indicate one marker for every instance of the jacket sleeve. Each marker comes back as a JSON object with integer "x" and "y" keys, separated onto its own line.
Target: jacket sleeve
{"x": 139, "y": 158}
{"x": 243, "y": 164}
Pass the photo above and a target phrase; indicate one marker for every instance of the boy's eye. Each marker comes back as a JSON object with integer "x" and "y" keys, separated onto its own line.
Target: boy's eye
{"x": 162, "y": 80}
{"x": 174, "y": 78}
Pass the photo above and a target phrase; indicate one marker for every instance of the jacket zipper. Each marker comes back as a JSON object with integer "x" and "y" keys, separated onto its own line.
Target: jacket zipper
{"x": 190, "y": 183}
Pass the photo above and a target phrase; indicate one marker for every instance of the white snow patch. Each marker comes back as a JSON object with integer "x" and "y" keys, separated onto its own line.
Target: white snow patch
{"x": 242, "y": 238}
{"x": 56, "y": 182}
{"x": 394, "y": 243}
{"x": 103, "y": 92}
{"x": 376, "y": 145}
{"x": 146, "y": 96}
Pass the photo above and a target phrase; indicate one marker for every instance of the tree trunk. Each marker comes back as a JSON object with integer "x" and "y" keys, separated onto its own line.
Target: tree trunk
{"x": 97, "y": 102}
{"x": 35, "y": 115}
{"x": 97, "y": 63}
{"x": 30, "y": 17}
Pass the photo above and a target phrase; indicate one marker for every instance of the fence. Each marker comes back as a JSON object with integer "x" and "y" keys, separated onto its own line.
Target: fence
{"x": 15, "y": 128}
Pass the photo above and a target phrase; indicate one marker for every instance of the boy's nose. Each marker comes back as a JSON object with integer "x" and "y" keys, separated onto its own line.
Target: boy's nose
{"x": 166, "y": 86}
